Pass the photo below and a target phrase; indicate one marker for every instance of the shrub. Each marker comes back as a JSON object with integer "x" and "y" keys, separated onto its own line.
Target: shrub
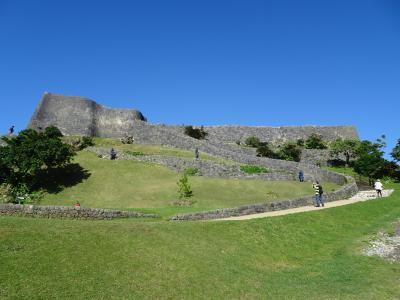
{"x": 184, "y": 189}
{"x": 289, "y": 151}
{"x": 250, "y": 169}
{"x": 252, "y": 141}
{"x": 135, "y": 153}
{"x": 127, "y": 139}
{"x": 197, "y": 133}
{"x": 314, "y": 141}
{"x": 6, "y": 195}
{"x": 191, "y": 171}
{"x": 79, "y": 143}
{"x": 263, "y": 150}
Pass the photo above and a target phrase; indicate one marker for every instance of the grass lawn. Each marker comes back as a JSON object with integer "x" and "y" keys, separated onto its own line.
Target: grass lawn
{"x": 131, "y": 184}
{"x": 154, "y": 149}
{"x": 315, "y": 255}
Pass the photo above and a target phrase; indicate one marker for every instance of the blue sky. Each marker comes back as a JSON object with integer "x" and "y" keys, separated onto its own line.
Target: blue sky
{"x": 208, "y": 62}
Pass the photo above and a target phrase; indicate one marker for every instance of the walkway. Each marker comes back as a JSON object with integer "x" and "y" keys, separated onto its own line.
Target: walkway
{"x": 359, "y": 197}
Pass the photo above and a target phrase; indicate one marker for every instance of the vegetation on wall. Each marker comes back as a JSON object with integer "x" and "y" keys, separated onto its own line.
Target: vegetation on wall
{"x": 197, "y": 133}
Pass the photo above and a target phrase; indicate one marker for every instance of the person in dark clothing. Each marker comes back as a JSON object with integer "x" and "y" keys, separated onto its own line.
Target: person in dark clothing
{"x": 318, "y": 194}
{"x": 301, "y": 176}
{"x": 196, "y": 153}
{"x": 11, "y": 130}
{"x": 113, "y": 154}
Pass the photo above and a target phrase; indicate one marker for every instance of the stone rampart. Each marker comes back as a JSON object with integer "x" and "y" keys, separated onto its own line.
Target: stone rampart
{"x": 68, "y": 212}
{"x": 82, "y": 116}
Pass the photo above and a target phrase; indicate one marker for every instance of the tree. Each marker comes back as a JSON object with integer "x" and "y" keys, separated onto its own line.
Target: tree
{"x": 370, "y": 159}
{"x": 314, "y": 141}
{"x": 263, "y": 150}
{"x": 30, "y": 153}
{"x": 184, "y": 189}
{"x": 252, "y": 141}
{"x": 396, "y": 151}
{"x": 289, "y": 151}
{"x": 197, "y": 133}
{"x": 347, "y": 147}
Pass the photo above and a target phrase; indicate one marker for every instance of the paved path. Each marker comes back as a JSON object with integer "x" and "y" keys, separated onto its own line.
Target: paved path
{"x": 359, "y": 197}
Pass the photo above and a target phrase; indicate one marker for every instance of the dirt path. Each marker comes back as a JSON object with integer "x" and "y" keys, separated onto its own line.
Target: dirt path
{"x": 359, "y": 197}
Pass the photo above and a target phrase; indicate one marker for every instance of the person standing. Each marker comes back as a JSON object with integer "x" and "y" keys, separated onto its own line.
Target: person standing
{"x": 113, "y": 154}
{"x": 11, "y": 130}
{"x": 301, "y": 176}
{"x": 378, "y": 188}
{"x": 318, "y": 194}
{"x": 196, "y": 153}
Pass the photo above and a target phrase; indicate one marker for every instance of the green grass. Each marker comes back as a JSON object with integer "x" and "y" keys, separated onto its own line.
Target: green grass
{"x": 315, "y": 255}
{"x": 148, "y": 149}
{"x": 250, "y": 169}
{"x": 132, "y": 184}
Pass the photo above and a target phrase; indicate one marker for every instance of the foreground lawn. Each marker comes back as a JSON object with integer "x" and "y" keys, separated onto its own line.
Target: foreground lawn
{"x": 131, "y": 184}
{"x": 314, "y": 255}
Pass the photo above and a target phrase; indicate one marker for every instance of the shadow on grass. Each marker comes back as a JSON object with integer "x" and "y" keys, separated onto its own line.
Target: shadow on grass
{"x": 54, "y": 181}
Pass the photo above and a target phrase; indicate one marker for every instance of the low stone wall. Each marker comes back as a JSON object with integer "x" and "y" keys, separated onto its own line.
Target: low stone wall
{"x": 68, "y": 212}
{"x": 344, "y": 192}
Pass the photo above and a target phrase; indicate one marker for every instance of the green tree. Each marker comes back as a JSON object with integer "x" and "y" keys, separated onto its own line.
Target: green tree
{"x": 347, "y": 147}
{"x": 263, "y": 150}
{"x": 396, "y": 151}
{"x": 315, "y": 141}
{"x": 252, "y": 141}
{"x": 30, "y": 153}
{"x": 184, "y": 189}
{"x": 370, "y": 159}
{"x": 289, "y": 151}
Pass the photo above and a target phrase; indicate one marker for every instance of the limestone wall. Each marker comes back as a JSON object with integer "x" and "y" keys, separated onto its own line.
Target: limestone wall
{"x": 67, "y": 212}
{"x": 82, "y": 116}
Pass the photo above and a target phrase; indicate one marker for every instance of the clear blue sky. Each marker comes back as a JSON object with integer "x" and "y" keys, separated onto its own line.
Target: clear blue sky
{"x": 208, "y": 62}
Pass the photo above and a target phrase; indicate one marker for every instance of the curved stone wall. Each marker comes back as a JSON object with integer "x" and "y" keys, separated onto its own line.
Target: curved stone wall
{"x": 343, "y": 193}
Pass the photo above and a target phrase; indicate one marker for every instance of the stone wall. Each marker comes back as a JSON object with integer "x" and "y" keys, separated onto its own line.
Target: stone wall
{"x": 68, "y": 212}
{"x": 343, "y": 193}
{"x": 82, "y": 116}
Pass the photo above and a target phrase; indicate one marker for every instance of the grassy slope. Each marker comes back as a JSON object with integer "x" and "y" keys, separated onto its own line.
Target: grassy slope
{"x": 131, "y": 184}
{"x": 312, "y": 255}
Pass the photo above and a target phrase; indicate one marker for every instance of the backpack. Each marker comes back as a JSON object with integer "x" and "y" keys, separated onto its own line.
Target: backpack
{"x": 320, "y": 190}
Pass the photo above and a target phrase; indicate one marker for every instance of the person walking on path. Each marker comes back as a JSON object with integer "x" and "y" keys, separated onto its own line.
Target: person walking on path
{"x": 301, "y": 176}
{"x": 11, "y": 130}
{"x": 318, "y": 194}
{"x": 378, "y": 188}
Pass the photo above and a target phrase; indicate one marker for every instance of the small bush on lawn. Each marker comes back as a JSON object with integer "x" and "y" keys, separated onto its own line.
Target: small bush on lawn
{"x": 135, "y": 153}
{"x": 191, "y": 171}
{"x": 250, "y": 169}
{"x": 184, "y": 189}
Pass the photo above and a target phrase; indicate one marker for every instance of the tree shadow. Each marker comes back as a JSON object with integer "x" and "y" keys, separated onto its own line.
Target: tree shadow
{"x": 55, "y": 180}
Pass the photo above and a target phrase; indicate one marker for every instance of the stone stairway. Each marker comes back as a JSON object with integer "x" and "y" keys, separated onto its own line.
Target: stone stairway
{"x": 370, "y": 194}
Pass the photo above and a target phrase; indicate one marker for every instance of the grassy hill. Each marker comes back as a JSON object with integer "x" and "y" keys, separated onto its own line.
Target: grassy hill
{"x": 314, "y": 255}
{"x": 150, "y": 187}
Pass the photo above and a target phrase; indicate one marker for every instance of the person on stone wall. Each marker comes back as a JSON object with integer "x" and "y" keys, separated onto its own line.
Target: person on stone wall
{"x": 77, "y": 205}
{"x": 11, "y": 130}
{"x": 301, "y": 176}
{"x": 113, "y": 154}
{"x": 378, "y": 188}
{"x": 318, "y": 194}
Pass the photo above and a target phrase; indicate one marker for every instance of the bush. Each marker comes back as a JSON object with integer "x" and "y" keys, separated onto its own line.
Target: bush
{"x": 127, "y": 139}
{"x": 289, "y": 151}
{"x": 197, "y": 133}
{"x": 263, "y": 150}
{"x": 252, "y": 141}
{"x": 135, "y": 153}
{"x": 250, "y": 169}
{"x": 191, "y": 171}
{"x": 315, "y": 141}
{"x": 6, "y": 195}
{"x": 184, "y": 189}
{"x": 79, "y": 143}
